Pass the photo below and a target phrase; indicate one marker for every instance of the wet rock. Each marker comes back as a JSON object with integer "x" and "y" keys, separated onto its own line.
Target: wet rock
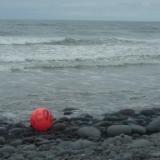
{"x": 17, "y": 157}
{"x": 147, "y": 112}
{"x": 138, "y": 129}
{"x": 140, "y": 143}
{"x": 29, "y": 140}
{"x": 81, "y": 143}
{"x": 16, "y": 142}
{"x": 28, "y": 147}
{"x": 3, "y": 131}
{"x": 59, "y": 127}
{"x": 69, "y": 109}
{"x": 129, "y": 121}
{"x": 116, "y": 130}
{"x": 115, "y": 117}
{"x": 117, "y": 140}
{"x": 14, "y": 132}
{"x": 68, "y": 113}
{"x": 154, "y": 125}
{"x": 155, "y": 154}
{"x": 89, "y": 132}
{"x": 7, "y": 150}
{"x": 128, "y": 112}
{"x": 2, "y": 140}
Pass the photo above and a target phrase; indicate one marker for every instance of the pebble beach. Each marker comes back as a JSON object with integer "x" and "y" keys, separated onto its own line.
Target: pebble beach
{"x": 123, "y": 135}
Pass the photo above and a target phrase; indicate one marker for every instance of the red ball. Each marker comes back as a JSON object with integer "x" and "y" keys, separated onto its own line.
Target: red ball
{"x": 41, "y": 119}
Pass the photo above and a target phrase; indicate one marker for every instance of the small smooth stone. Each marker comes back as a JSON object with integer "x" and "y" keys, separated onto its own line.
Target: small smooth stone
{"x": 116, "y": 130}
{"x": 28, "y": 147}
{"x": 155, "y": 154}
{"x": 59, "y": 126}
{"x": 147, "y": 112}
{"x": 69, "y": 109}
{"x": 89, "y": 132}
{"x": 3, "y": 131}
{"x": 17, "y": 157}
{"x": 2, "y": 140}
{"x": 139, "y": 143}
{"x": 81, "y": 143}
{"x": 128, "y": 112}
{"x": 117, "y": 117}
{"x": 7, "y": 150}
{"x": 16, "y": 142}
{"x": 154, "y": 126}
{"x": 138, "y": 129}
{"x": 29, "y": 140}
{"x": 14, "y": 132}
{"x": 68, "y": 113}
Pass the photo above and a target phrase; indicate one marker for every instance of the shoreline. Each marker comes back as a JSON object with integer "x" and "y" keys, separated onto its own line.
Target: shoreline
{"x": 126, "y": 134}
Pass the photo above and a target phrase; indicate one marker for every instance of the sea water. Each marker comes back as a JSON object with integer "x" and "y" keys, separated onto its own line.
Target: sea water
{"x": 94, "y": 66}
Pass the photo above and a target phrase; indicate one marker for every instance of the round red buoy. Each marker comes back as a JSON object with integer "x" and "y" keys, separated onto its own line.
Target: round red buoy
{"x": 41, "y": 119}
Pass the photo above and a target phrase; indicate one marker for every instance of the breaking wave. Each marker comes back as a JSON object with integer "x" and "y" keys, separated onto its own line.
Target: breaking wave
{"x": 65, "y": 41}
{"x": 78, "y": 63}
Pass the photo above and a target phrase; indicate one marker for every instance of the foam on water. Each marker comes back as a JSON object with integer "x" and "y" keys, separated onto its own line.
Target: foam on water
{"x": 93, "y": 66}
{"x": 39, "y": 45}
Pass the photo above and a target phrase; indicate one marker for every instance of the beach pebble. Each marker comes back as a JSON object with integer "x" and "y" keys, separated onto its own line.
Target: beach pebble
{"x": 16, "y": 142}
{"x": 81, "y": 143}
{"x": 128, "y": 112}
{"x": 89, "y": 132}
{"x": 28, "y": 147}
{"x": 17, "y": 157}
{"x": 68, "y": 113}
{"x": 69, "y": 109}
{"x": 155, "y": 154}
{"x": 116, "y": 130}
{"x": 3, "y": 131}
{"x": 59, "y": 126}
{"x": 2, "y": 140}
{"x": 138, "y": 129}
{"x": 147, "y": 112}
{"x": 14, "y": 132}
{"x": 7, "y": 150}
{"x": 154, "y": 125}
{"x": 115, "y": 117}
{"x": 140, "y": 143}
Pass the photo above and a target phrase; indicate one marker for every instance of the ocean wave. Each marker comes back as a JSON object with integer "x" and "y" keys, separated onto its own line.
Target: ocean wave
{"x": 79, "y": 63}
{"x": 67, "y": 41}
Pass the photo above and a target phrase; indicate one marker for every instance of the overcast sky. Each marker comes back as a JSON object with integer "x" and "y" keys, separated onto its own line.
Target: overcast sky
{"x": 145, "y": 10}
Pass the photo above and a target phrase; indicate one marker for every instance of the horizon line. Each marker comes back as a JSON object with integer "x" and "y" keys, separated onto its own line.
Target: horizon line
{"x": 38, "y": 19}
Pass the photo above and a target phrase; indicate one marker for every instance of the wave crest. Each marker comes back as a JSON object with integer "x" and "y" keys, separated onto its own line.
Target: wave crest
{"x": 65, "y": 41}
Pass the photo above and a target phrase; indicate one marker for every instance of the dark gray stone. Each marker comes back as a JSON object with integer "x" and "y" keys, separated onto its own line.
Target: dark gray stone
{"x": 16, "y": 142}
{"x": 128, "y": 112}
{"x": 59, "y": 126}
{"x": 68, "y": 113}
{"x": 140, "y": 143}
{"x": 69, "y": 109}
{"x": 17, "y": 157}
{"x": 138, "y": 129}
{"x": 147, "y": 112}
{"x": 116, "y": 130}
{"x": 7, "y": 150}
{"x": 81, "y": 143}
{"x": 3, "y": 131}
{"x": 2, "y": 140}
{"x": 14, "y": 132}
{"x": 89, "y": 132}
{"x": 154, "y": 126}
{"x": 28, "y": 147}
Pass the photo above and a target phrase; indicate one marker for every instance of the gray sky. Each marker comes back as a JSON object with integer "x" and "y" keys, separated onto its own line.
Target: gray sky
{"x": 146, "y": 10}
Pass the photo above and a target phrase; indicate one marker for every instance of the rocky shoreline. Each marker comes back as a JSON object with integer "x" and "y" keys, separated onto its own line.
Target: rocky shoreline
{"x": 124, "y": 135}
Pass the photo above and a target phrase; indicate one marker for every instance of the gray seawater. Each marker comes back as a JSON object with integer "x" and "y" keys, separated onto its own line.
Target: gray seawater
{"x": 94, "y": 66}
